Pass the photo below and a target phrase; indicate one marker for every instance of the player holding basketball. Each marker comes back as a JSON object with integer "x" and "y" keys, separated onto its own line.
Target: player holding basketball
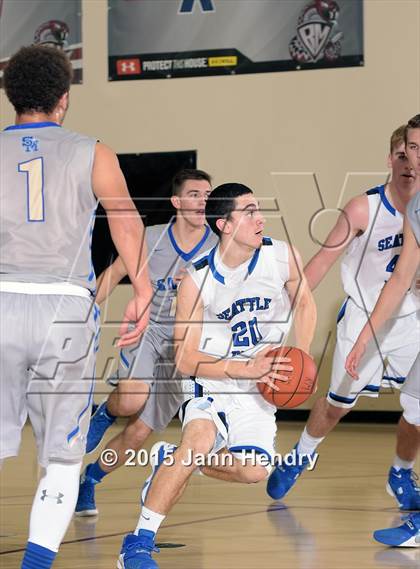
{"x": 51, "y": 180}
{"x": 172, "y": 247}
{"x": 407, "y": 535}
{"x": 230, "y": 305}
{"x": 370, "y": 232}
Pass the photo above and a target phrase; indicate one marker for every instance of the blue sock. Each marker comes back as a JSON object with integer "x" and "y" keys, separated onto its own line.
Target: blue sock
{"x": 37, "y": 556}
{"x": 95, "y": 472}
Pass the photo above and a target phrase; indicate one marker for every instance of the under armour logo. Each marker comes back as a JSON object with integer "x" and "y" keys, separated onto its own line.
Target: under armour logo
{"x": 128, "y": 66}
{"x": 58, "y": 497}
{"x": 30, "y": 143}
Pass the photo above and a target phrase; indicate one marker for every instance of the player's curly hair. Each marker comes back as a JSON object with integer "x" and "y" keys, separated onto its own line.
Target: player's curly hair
{"x": 221, "y": 203}
{"x": 36, "y": 77}
{"x": 412, "y": 123}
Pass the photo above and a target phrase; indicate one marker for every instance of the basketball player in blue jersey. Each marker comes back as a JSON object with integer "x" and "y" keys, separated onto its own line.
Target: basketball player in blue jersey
{"x": 408, "y": 534}
{"x": 171, "y": 248}
{"x": 231, "y": 304}
{"x": 51, "y": 180}
{"x": 369, "y": 232}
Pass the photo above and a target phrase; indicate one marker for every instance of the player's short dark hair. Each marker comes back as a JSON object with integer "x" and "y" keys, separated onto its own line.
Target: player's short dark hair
{"x": 187, "y": 174}
{"x": 36, "y": 77}
{"x": 221, "y": 202}
{"x": 412, "y": 123}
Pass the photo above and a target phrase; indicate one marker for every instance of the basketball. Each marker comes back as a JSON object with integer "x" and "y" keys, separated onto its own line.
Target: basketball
{"x": 302, "y": 380}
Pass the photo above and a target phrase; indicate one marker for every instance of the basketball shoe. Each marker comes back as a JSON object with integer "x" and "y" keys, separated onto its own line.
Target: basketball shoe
{"x": 99, "y": 423}
{"x": 158, "y": 453}
{"x": 406, "y": 535}
{"x": 136, "y": 551}
{"x": 284, "y": 476}
{"x": 402, "y": 484}
{"x": 86, "y": 505}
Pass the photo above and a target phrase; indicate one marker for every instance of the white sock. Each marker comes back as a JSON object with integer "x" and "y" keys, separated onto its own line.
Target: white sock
{"x": 149, "y": 520}
{"x": 307, "y": 444}
{"x": 54, "y": 503}
{"x": 400, "y": 463}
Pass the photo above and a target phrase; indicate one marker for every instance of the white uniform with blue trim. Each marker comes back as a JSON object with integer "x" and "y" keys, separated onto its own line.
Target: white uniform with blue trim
{"x": 368, "y": 263}
{"x": 412, "y": 384}
{"x": 244, "y": 309}
{"x": 152, "y": 360}
{"x": 49, "y": 322}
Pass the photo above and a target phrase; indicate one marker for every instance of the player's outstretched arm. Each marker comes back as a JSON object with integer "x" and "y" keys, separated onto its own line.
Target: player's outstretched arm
{"x": 302, "y": 301}
{"x": 353, "y": 220}
{"x": 390, "y": 298}
{"x": 127, "y": 233}
{"x": 191, "y": 361}
{"x": 109, "y": 279}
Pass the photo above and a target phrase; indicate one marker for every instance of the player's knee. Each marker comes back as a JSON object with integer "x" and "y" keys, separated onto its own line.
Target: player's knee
{"x": 336, "y": 413}
{"x": 130, "y": 403}
{"x": 411, "y": 407}
{"x": 199, "y": 441}
{"x": 136, "y": 433}
{"x": 199, "y": 447}
{"x": 254, "y": 474}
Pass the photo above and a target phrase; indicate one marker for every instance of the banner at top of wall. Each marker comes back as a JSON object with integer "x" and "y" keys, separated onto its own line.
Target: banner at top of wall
{"x": 150, "y": 39}
{"x": 28, "y": 22}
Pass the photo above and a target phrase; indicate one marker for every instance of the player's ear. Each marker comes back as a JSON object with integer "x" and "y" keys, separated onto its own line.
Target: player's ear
{"x": 223, "y": 225}
{"x": 63, "y": 102}
{"x": 176, "y": 202}
{"x": 389, "y": 161}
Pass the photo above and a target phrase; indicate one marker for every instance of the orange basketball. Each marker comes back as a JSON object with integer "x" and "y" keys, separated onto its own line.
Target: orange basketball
{"x": 302, "y": 380}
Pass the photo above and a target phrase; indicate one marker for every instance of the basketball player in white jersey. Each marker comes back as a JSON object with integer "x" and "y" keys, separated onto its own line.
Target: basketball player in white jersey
{"x": 51, "y": 180}
{"x": 369, "y": 231}
{"x": 408, "y": 534}
{"x": 230, "y": 306}
{"x": 171, "y": 248}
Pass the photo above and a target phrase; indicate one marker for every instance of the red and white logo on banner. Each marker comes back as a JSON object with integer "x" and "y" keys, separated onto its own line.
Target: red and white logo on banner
{"x": 128, "y": 66}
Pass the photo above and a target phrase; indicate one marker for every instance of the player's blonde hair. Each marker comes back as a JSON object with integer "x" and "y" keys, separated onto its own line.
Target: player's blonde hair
{"x": 397, "y": 137}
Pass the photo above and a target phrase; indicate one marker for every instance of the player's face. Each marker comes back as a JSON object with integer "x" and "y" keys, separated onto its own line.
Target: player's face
{"x": 413, "y": 149}
{"x": 246, "y": 222}
{"x": 401, "y": 169}
{"x": 191, "y": 203}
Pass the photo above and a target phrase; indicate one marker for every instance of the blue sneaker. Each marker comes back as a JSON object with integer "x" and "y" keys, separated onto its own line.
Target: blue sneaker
{"x": 403, "y": 486}
{"x": 158, "y": 453}
{"x": 284, "y": 476}
{"x": 86, "y": 506}
{"x": 136, "y": 551}
{"x": 407, "y": 535}
{"x": 99, "y": 423}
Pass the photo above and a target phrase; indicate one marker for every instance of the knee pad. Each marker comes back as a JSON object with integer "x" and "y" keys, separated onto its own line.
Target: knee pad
{"x": 411, "y": 407}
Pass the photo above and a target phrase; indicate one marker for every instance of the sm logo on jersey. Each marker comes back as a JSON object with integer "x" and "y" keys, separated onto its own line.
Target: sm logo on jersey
{"x": 390, "y": 242}
{"x": 166, "y": 284}
{"x": 30, "y": 143}
{"x": 187, "y": 6}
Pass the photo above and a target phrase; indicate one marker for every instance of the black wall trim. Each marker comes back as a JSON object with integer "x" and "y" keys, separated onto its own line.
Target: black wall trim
{"x": 352, "y": 417}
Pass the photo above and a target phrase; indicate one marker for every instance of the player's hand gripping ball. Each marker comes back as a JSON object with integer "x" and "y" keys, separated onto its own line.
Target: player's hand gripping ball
{"x": 302, "y": 381}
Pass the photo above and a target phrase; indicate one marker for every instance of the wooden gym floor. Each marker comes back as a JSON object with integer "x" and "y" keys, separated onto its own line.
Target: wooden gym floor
{"x": 326, "y": 522}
